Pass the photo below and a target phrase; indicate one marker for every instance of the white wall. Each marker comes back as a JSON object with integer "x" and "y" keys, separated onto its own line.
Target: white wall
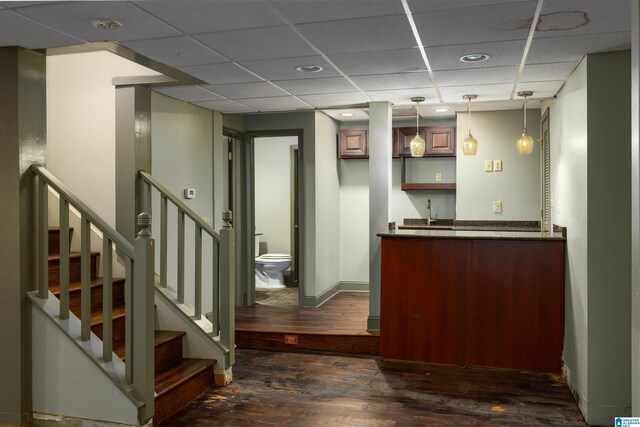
{"x": 517, "y": 186}
{"x": 81, "y": 124}
{"x": 568, "y": 132}
{"x": 273, "y": 192}
{"x": 591, "y": 183}
{"x": 354, "y": 220}
{"x": 182, "y": 157}
{"x": 327, "y": 204}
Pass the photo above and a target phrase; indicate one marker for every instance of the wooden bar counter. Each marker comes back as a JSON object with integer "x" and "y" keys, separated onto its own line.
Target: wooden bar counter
{"x": 480, "y": 298}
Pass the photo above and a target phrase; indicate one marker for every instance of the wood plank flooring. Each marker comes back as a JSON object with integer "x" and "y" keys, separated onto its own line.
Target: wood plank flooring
{"x": 284, "y": 388}
{"x": 339, "y": 325}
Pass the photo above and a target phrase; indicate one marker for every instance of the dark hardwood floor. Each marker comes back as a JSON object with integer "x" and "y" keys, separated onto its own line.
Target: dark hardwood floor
{"x": 286, "y": 388}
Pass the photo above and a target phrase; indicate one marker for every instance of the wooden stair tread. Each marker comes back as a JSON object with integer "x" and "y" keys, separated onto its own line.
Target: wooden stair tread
{"x": 72, "y": 255}
{"x": 116, "y": 313}
{"x": 75, "y": 285}
{"x": 179, "y": 373}
{"x": 160, "y": 337}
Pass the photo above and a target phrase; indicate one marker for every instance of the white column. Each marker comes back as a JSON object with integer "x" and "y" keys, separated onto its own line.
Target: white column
{"x": 380, "y": 140}
{"x": 635, "y": 208}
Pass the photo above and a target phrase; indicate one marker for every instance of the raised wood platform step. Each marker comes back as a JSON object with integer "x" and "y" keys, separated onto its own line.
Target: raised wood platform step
{"x": 339, "y": 325}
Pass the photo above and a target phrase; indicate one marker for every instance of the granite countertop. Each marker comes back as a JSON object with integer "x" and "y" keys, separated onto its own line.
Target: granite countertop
{"x": 473, "y": 234}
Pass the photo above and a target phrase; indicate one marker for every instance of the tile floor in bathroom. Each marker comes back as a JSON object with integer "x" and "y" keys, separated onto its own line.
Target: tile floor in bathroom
{"x": 283, "y": 296}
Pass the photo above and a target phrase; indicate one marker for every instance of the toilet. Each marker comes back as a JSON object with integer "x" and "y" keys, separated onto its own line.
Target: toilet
{"x": 270, "y": 268}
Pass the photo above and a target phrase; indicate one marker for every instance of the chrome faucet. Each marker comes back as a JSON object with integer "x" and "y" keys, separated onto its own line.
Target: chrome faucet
{"x": 429, "y": 219}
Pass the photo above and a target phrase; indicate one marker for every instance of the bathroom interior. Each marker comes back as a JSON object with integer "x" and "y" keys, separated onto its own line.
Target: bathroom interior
{"x": 275, "y": 201}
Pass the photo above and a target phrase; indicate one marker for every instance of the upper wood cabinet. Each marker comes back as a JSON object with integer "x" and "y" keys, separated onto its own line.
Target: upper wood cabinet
{"x": 353, "y": 144}
{"x": 440, "y": 141}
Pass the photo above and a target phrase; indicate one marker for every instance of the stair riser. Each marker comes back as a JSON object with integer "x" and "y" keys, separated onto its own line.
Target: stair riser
{"x": 170, "y": 403}
{"x": 118, "y": 331}
{"x": 54, "y": 240}
{"x": 96, "y": 297}
{"x": 168, "y": 353}
{"x": 74, "y": 269}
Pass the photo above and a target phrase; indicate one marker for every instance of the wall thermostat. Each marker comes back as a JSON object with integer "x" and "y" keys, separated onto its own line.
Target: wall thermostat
{"x": 190, "y": 193}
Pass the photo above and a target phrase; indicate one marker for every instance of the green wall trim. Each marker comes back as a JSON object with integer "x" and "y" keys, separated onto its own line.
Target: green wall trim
{"x": 373, "y": 324}
{"x": 317, "y": 301}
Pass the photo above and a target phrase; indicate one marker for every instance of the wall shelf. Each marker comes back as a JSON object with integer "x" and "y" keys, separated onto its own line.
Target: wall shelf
{"x": 406, "y": 186}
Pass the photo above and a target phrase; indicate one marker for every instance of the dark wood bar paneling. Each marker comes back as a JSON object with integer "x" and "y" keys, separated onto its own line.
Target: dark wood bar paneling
{"x": 496, "y": 303}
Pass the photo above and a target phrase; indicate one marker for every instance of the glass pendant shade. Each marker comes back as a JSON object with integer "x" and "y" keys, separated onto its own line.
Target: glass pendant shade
{"x": 417, "y": 146}
{"x": 524, "y": 144}
{"x": 469, "y": 145}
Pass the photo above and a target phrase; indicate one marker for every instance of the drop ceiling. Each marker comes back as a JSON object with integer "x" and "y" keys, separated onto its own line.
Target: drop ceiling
{"x": 247, "y": 51}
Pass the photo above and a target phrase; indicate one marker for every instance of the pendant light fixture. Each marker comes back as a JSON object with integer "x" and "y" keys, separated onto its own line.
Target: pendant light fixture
{"x": 417, "y": 145}
{"x": 469, "y": 144}
{"x": 525, "y": 142}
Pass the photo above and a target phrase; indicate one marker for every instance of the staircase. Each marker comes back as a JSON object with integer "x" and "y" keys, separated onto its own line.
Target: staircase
{"x": 178, "y": 380}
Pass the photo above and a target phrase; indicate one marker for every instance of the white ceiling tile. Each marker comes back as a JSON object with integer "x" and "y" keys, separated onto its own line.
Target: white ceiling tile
{"x": 316, "y": 86}
{"x": 227, "y": 106}
{"x": 485, "y": 92}
{"x": 298, "y": 11}
{"x": 541, "y": 89}
{"x": 206, "y": 16}
{"x": 403, "y": 96}
{"x": 476, "y": 76}
{"x": 285, "y": 69}
{"x": 176, "y": 51}
{"x": 188, "y": 93}
{"x": 335, "y": 99}
{"x": 16, "y": 30}
{"x": 247, "y": 90}
{"x": 500, "y": 54}
{"x": 359, "y": 35}
{"x": 379, "y": 62}
{"x": 564, "y": 49}
{"x": 574, "y": 17}
{"x": 417, "y": 6}
{"x": 393, "y": 81}
{"x": 220, "y": 73}
{"x": 76, "y": 18}
{"x": 17, "y": 4}
{"x": 477, "y": 24}
{"x": 257, "y": 43}
{"x": 546, "y": 72}
{"x": 358, "y": 114}
{"x": 275, "y": 104}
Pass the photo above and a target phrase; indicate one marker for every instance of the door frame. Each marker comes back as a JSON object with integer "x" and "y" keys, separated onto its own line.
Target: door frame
{"x": 248, "y": 214}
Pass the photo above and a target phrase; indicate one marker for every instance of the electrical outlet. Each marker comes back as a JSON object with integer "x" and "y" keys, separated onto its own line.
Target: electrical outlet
{"x": 497, "y": 206}
{"x": 438, "y": 177}
{"x": 488, "y": 166}
{"x": 497, "y": 165}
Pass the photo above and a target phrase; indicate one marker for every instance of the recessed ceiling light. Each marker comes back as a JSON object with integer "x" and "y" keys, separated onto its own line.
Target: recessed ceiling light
{"x": 106, "y": 24}
{"x": 346, "y": 114}
{"x": 474, "y": 57}
{"x": 309, "y": 68}
{"x": 441, "y": 110}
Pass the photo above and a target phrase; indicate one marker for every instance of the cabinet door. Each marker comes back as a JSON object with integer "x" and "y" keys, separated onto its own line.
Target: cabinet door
{"x": 441, "y": 142}
{"x": 353, "y": 144}
{"x": 402, "y": 140}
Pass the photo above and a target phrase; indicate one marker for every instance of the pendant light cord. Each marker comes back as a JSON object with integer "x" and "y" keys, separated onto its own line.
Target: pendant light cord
{"x": 525, "y": 114}
{"x": 417, "y": 118}
{"x": 469, "y": 114}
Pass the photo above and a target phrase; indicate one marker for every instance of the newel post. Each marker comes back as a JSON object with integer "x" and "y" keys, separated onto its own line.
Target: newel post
{"x": 143, "y": 319}
{"x": 227, "y": 285}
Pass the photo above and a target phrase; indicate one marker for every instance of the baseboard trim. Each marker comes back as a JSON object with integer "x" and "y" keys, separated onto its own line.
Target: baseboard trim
{"x": 373, "y": 324}
{"x": 314, "y": 302}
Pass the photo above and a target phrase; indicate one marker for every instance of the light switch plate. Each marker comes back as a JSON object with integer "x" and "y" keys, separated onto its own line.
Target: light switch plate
{"x": 497, "y": 165}
{"x": 438, "y": 177}
{"x": 488, "y": 166}
{"x": 497, "y": 206}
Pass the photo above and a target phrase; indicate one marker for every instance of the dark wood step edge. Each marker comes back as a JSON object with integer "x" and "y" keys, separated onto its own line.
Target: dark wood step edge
{"x": 209, "y": 365}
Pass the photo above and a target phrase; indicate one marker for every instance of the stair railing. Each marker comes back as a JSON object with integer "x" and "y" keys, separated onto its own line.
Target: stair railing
{"x": 222, "y": 262}
{"x": 139, "y": 266}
